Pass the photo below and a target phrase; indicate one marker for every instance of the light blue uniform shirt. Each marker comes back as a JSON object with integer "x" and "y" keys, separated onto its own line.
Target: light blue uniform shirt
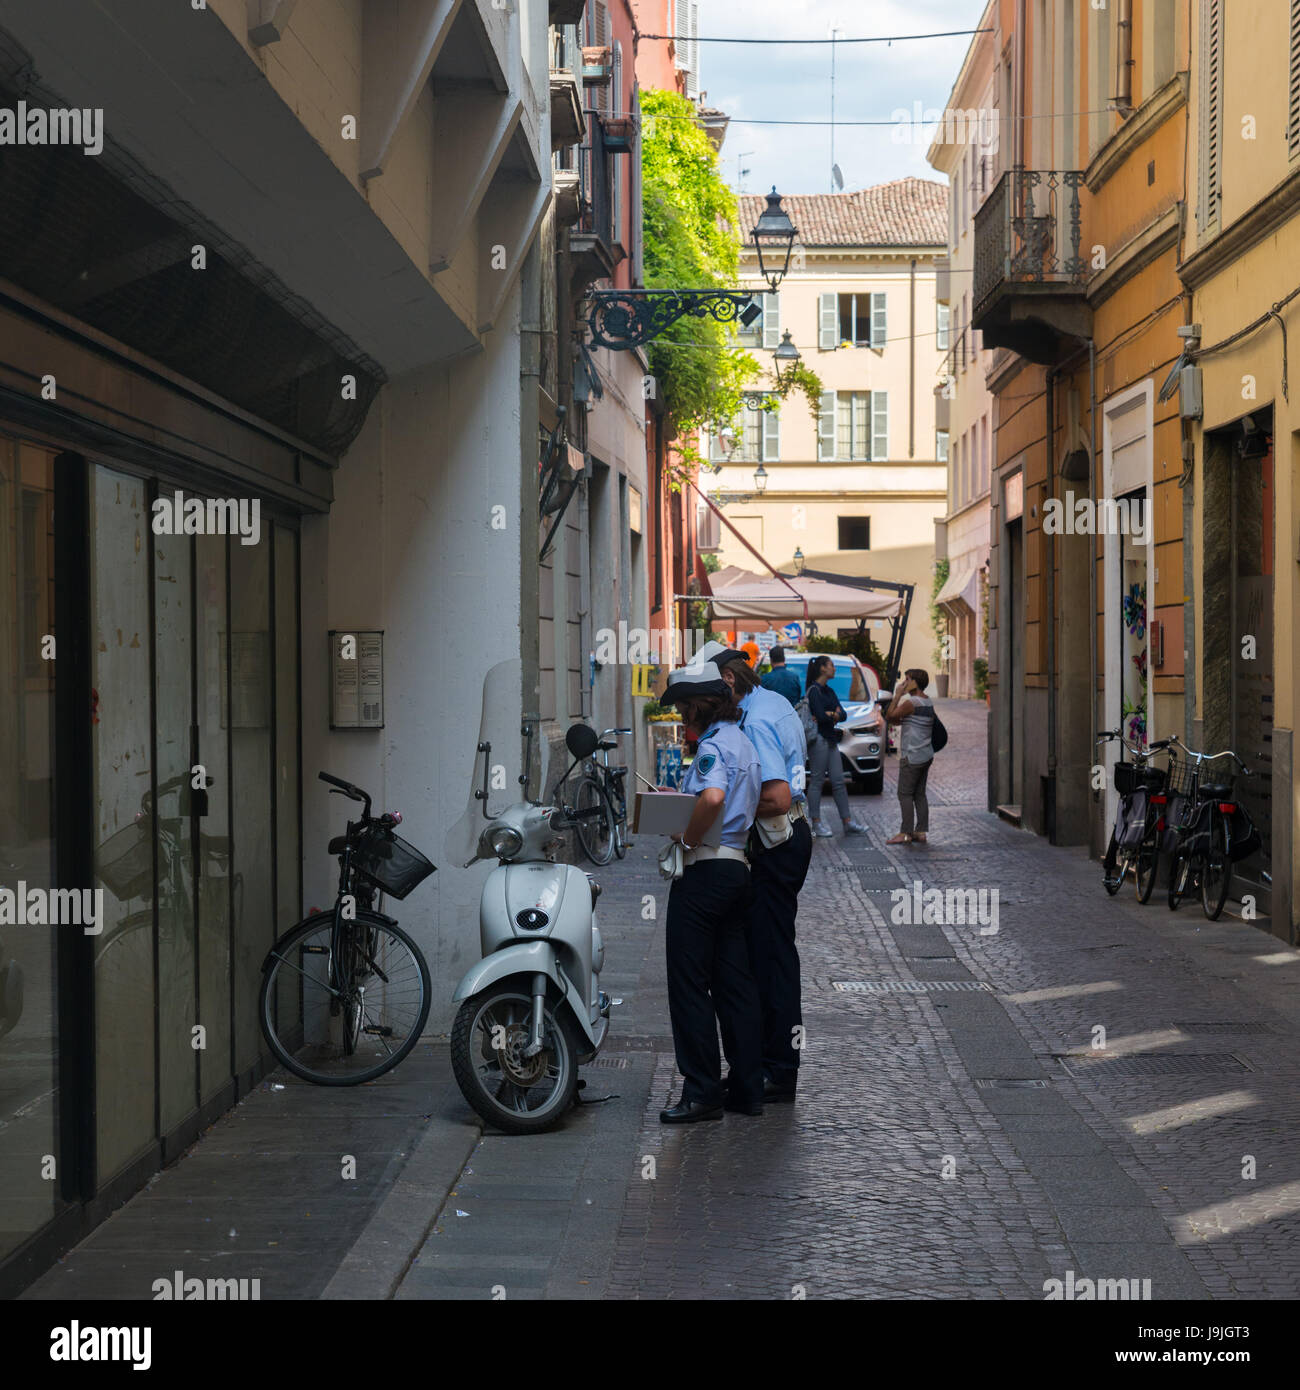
{"x": 769, "y": 722}
{"x": 726, "y": 759}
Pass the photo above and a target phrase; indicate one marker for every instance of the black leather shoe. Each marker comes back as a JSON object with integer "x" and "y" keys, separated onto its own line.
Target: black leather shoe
{"x": 742, "y": 1108}
{"x": 687, "y": 1112}
{"x": 773, "y": 1091}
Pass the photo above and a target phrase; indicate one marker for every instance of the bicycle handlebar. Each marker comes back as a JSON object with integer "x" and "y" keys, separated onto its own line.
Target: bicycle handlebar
{"x": 1211, "y": 757}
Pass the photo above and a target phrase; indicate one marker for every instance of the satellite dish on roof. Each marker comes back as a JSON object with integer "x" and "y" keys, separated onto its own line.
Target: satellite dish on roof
{"x": 837, "y": 178}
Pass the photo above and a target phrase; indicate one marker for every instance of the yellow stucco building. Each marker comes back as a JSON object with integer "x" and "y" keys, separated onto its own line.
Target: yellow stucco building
{"x": 1242, "y": 249}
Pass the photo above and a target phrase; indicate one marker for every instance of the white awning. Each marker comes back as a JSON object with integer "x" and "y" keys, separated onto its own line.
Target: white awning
{"x": 739, "y": 595}
{"x": 960, "y": 594}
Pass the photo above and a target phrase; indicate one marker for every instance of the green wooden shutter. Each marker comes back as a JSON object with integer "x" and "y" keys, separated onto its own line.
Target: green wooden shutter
{"x": 879, "y": 426}
{"x": 828, "y": 320}
{"x": 877, "y": 320}
{"x": 826, "y": 425}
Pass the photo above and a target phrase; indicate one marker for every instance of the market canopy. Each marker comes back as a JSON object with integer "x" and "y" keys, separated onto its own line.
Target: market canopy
{"x": 740, "y": 595}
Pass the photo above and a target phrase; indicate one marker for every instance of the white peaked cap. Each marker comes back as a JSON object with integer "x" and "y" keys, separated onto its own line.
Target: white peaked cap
{"x": 697, "y": 678}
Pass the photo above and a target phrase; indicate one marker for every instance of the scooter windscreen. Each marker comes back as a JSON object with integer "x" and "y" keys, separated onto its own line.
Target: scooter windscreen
{"x": 489, "y": 762}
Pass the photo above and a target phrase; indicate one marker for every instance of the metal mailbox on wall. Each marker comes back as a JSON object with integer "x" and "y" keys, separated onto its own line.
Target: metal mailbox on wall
{"x": 356, "y": 679}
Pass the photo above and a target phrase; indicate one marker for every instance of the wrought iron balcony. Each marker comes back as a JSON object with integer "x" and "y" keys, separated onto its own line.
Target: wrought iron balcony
{"x": 1030, "y": 275}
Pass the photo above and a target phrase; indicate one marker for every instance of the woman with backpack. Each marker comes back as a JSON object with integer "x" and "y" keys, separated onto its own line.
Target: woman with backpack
{"x": 913, "y": 710}
{"x": 823, "y": 750}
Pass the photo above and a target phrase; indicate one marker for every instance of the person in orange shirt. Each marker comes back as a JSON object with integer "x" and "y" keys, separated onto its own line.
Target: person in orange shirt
{"x": 751, "y": 653}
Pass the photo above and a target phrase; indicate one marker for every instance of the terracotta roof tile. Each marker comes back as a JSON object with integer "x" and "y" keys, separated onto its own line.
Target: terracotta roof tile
{"x": 906, "y": 212}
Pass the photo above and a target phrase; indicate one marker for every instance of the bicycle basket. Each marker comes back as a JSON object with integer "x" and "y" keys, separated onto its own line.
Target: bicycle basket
{"x": 1181, "y": 777}
{"x": 1131, "y": 776}
{"x": 392, "y": 864}
{"x": 125, "y": 861}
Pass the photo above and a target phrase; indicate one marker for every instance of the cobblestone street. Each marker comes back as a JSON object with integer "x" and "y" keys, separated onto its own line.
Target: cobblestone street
{"x": 957, "y": 1132}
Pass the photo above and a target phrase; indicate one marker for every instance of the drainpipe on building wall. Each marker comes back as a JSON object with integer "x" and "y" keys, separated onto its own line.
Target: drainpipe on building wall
{"x": 1186, "y": 482}
{"x": 530, "y": 380}
{"x": 911, "y": 368}
{"x": 1019, "y": 132}
{"x": 1049, "y": 574}
{"x": 1092, "y": 560}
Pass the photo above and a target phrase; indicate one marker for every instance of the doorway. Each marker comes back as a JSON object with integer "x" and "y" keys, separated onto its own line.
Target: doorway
{"x": 1238, "y": 677}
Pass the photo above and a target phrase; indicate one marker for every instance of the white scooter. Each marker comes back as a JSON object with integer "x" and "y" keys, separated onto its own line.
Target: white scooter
{"x": 531, "y": 1010}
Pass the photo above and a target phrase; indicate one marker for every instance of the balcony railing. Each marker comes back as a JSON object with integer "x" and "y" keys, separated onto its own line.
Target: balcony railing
{"x": 1028, "y": 232}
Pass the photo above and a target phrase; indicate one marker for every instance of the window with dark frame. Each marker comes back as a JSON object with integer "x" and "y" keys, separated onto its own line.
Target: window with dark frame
{"x": 855, "y": 533}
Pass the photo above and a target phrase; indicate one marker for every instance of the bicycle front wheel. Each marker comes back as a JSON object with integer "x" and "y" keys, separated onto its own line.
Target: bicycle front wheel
{"x": 1216, "y": 871}
{"x": 1180, "y": 877}
{"x": 596, "y": 821}
{"x": 1113, "y": 878}
{"x": 1148, "y": 868}
{"x": 361, "y": 1011}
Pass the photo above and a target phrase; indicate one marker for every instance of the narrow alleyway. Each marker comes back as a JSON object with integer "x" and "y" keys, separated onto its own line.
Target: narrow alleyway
{"x": 956, "y": 1133}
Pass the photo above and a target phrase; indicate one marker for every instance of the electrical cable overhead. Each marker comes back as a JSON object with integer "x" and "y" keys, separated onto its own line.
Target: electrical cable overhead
{"x": 879, "y": 38}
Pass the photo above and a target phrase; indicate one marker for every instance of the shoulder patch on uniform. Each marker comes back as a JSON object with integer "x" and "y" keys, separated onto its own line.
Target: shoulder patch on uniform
{"x": 706, "y": 762}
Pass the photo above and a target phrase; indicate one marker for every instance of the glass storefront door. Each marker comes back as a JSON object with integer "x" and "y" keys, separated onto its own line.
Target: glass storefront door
{"x": 29, "y": 1067}
{"x": 193, "y": 680}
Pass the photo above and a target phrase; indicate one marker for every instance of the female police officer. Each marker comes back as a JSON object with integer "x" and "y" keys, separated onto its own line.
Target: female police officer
{"x": 708, "y": 962}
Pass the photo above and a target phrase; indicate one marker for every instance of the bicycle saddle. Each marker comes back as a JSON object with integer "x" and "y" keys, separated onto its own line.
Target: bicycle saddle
{"x": 1217, "y": 791}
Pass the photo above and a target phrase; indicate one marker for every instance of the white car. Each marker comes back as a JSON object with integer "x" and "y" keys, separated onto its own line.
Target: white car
{"x": 862, "y": 747}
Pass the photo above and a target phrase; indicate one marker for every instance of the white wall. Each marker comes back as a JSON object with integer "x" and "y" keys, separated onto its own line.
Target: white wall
{"x": 409, "y": 547}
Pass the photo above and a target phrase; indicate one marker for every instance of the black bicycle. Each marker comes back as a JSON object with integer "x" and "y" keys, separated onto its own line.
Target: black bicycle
{"x": 1135, "y": 837}
{"x": 600, "y": 802}
{"x": 1211, "y": 831}
{"x": 345, "y": 994}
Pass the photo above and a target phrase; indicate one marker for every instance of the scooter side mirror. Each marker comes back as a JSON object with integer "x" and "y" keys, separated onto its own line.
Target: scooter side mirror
{"x": 581, "y": 740}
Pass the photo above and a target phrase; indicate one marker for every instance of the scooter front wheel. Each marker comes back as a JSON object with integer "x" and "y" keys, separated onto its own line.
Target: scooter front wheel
{"x": 513, "y": 1092}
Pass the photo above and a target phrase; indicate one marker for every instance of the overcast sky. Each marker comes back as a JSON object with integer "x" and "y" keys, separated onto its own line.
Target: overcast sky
{"x": 872, "y": 82}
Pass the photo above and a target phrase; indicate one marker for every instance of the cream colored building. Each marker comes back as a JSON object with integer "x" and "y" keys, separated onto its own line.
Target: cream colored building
{"x": 857, "y": 487}
{"x": 965, "y": 150}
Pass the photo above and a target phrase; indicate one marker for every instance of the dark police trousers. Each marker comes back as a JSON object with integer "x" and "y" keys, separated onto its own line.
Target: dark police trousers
{"x": 777, "y": 876}
{"x": 709, "y": 982}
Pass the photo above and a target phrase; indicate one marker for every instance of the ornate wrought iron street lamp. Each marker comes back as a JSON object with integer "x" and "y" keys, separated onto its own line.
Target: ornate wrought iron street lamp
{"x": 798, "y": 560}
{"x": 787, "y": 357}
{"x": 622, "y": 319}
{"x": 773, "y": 237}
{"x": 760, "y": 478}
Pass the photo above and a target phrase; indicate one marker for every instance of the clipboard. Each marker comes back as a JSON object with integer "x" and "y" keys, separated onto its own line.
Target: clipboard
{"x": 669, "y": 813}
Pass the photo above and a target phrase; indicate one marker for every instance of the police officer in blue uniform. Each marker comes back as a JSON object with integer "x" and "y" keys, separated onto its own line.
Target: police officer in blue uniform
{"x": 709, "y": 979}
{"x": 780, "y": 850}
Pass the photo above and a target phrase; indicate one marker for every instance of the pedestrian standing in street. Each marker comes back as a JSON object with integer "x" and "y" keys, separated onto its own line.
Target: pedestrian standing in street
{"x": 913, "y": 710}
{"x": 780, "y": 848}
{"x": 781, "y": 678}
{"x": 709, "y": 978}
{"x": 824, "y": 755}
